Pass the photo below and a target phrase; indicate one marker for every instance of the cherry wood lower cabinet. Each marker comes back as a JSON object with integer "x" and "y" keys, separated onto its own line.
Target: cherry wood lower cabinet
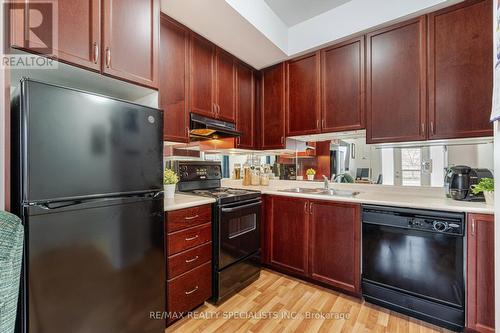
{"x": 314, "y": 239}
{"x": 334, "y": 246}
{"x": 480, "y": 273}
{"x": 288, "y": 237}
{"x": 189, "y": 259}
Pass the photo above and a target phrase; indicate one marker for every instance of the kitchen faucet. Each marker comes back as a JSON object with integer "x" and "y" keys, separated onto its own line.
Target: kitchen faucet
{"x": 326, "y": 183}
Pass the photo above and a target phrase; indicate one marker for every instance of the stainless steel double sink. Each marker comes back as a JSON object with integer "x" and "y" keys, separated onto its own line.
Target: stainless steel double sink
{"x": 321, "y": 191}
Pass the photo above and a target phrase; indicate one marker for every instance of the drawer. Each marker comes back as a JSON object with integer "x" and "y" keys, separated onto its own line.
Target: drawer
{"x": 190, "y": 289}
{"x": 188, "y": 238}
{"x": 189, "y": 217}
{"x": 189, "y": 259}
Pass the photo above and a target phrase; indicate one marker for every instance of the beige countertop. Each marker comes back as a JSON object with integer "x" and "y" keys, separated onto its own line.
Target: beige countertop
{"x": 398, "y": 196}
{"x": 181, "y": 201}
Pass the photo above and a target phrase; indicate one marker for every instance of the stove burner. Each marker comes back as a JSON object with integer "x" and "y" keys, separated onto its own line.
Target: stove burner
{"x": 221, "y": 192}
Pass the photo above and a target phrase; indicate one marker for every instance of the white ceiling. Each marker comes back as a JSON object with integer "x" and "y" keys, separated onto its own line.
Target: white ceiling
{"x": 292, "y": 12}
{"x": 254, "y": 32}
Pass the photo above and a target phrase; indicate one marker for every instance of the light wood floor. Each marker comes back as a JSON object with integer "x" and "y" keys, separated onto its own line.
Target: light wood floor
{"x": 279, "y": 295}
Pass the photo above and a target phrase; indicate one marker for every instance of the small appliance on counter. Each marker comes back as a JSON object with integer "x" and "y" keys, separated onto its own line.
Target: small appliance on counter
{"x": 460, "y": 178}
{"x": 288, "y": 172}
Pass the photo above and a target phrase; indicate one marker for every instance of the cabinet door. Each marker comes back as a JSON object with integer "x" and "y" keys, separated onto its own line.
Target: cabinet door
{"x": 174, "y": 49}
{"x": 303, "y": 110}
{"x": 343, "y": 86}
{"x": 335, "y": 244}
{"x": 202, "y": 78}
{"x": 131, "y": 40}
{"x": 288, "y": 221}
{"x": 480, "y": 273}
{"x": 245, "y": 106}
{"x": 78, "y": 31}
{"x": 226, "y": 91}
{"x": 396, "y": 83}
{"x": 460, "y": 71}
{"x": 272, "y": 110}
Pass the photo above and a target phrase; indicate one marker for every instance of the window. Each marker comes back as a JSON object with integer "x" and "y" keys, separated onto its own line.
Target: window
{"x": 411, "y": 166}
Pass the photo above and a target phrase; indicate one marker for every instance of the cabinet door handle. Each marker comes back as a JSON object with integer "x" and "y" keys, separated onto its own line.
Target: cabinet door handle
{"x": 317, "y": 124}
{"x": 473, "y": 228}
{"x": 422, "y": 128}
{"x": 191, "y": 291}
{"x": 282, "y": 139}
{"x": 218, "y": 110}
{"x": 108, "y": 57}
{"x": 323, "y": 123}
{"x": 432, "y": 127}
{"x": 191, "y": 217}
{"x": 96, "y": 53}
{"x": 305, "y": 208}
{"x": 191, "y": 238}
{"x": 310, "y": 208}
{"x": 191, "y": 260}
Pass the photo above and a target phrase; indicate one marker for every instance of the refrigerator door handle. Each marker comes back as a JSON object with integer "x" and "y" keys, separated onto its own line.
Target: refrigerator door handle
{"x": 49, "y": 206}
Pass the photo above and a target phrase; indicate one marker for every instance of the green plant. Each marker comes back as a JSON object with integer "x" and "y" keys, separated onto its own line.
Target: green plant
{"x": 170, "y": 177}
{"x": 485, "y": 184}
{"x": 310, "y": 172}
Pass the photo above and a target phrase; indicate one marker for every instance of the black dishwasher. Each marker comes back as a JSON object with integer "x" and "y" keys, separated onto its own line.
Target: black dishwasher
{"x": 413, "y": 263}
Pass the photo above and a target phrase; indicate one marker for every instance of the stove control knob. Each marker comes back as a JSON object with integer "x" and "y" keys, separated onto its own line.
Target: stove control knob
{"x": 440, "y": 226}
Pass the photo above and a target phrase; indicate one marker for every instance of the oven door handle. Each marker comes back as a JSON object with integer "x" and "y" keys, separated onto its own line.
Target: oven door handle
{"x": 234, "y": 209}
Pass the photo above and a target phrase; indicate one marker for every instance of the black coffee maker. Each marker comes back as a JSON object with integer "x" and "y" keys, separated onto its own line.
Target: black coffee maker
{"x": 460, "y": 178}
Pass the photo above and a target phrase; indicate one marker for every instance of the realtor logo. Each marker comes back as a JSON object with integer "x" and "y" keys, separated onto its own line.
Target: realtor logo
{"x": 32, "y": 27}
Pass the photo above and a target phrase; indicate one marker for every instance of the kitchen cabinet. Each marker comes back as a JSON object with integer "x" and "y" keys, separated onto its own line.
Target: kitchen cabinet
{"x": 343, "y": 86}
{"x": 288, "y": 238}
{"x": 396, "y": 83}
{"x": 121, "y": 40}
{"x": 202, "y": 76}
{"x": 272, "y": 107}
{"x": 335, "y": 244}
{"x": 78, "y": 34}
{"x": 173, "y": 76}
{"x": 245, "y": 106}
{"x": 315, "y": 239}
{"x": 460, "y": 71}
{"x": 303, "y": 111}
{"x": 130, "y": 40}
{"x": 225, "y": 86}
{"x": 480, "y": 273}
{"x": 188, "y": 258}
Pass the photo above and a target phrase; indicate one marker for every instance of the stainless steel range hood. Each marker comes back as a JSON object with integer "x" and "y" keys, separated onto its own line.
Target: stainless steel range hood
{"x": 204, "y": 128}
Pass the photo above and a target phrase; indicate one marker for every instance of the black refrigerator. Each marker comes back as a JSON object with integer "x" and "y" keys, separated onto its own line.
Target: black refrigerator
{"x": 87, "y": 183}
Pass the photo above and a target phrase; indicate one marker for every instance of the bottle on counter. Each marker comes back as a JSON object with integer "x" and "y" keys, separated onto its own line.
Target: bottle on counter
{"x": 255, "y": 177}
{"x": 237, "y": 171}
{"x": 247, "y": 176}
{"x": 264, "y": 179}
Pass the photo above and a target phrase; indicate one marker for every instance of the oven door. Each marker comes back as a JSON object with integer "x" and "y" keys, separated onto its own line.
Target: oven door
{"x": 239, "y": 234}
{"x": 423, "y": 264}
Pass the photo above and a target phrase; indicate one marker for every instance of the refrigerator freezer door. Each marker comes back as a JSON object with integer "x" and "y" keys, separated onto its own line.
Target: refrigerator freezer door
{"x": 96, "y": 267}
{"x": 76, "y": 144}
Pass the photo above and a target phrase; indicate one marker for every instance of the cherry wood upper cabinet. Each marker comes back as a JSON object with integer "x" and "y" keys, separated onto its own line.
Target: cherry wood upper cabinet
{"x": 78, "y": 32}
{"x": 288, "y": 219}
{"x": 396, "y": 83}
{"x": 202, "y": 77}
{"x": 343, "y": 86}
{"x": 174, "y": 61}
{"x": 131, "y": 40}
{"x": 460, "y": 70}
{"x": 225, "y": 86}
{"x": 480, "y": 273}
{"x": 335, "y": 244}
{"x": 245, "y": 106}
{"x": 272, "y": 107}
{"x": 303, "y": 95}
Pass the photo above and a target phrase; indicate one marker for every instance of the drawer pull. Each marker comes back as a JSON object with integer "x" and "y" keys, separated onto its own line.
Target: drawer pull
{"x": 191, "y": 260}
{"x": 191, "y": 217}
{"x": 191, "y": 291}
{"x": 191, "y": 238}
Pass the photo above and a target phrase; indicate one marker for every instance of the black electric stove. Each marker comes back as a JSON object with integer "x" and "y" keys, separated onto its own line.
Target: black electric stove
{"x": 235, "y": 226}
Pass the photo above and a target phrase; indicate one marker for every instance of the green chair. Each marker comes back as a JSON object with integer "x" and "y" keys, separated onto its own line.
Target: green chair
{"x": 11, "y": 255}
